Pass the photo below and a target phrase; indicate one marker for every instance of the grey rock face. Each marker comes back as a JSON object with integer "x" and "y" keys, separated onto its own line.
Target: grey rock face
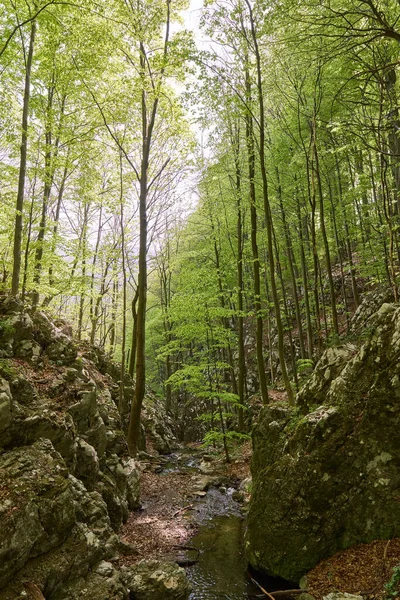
{"x": 103, "y": 583}
{"x": 326, "y": 475}
{"x": 65, "y": 481}
{"x": 6, "y": 405}
{"x": 158, "y": 426}
{"x": 157, "y": 580}
{"x": 37, "y": 509}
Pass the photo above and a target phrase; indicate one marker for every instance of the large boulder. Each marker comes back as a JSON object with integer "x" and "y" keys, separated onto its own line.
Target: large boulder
{"x": 156, "y": 580}
{"x": 328, "y": 479}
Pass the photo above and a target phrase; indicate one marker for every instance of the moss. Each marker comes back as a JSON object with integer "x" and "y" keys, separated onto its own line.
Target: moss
{"x": 6, "y": 369}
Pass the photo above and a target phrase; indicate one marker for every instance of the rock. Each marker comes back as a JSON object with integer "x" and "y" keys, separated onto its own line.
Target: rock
{"x": 65, "y": 479}
{"x": 245, "y": 485}
{"x": 328, "y": 367}
{"x": 10, "y": 304}
{"x": 206, "y": 467}
{"x": 88, "y": 421}
{"x": 342, "y": 596}
{"x": 23, "y": 390}
{"x": 59, "y": 429}
{"x": 328, "y": 478}
{"x": 37, "y": 509}
{"x": 372, "y": 301}
{"x": 61, "y": 348}
{"x": 132, "y": 483}
{"x": 6, "y": 405}
{"x": 157, "y": 580}
{"x": 87, "y": 463}
{"x": 158, "y": 426}
{"x": 103, "y": 583}
{"x": 202, "y": 483}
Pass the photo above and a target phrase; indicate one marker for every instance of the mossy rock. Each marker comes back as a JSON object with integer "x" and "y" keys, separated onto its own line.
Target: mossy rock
{"x": 329, "y": 478}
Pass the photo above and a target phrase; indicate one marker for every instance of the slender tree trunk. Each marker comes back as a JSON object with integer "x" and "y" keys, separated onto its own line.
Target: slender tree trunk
{"x": 304, "y": 274}
{"x": 124, "y": 284}
{"x": 240, "y": 284}
{"x": 324, "y": 235}
{"x": 254, "y": 246}
{"x": 132, "y": 358}
{"x": 291, "y": 264}
{"x": 22, "y": 166}
{"x": 267, "y": 211}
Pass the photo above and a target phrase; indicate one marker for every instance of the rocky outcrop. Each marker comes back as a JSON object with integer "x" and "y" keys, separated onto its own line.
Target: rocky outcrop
{"x": 66, "y": 480}
{"x": 158, "y": 426}
{"x": 326, "y": 474}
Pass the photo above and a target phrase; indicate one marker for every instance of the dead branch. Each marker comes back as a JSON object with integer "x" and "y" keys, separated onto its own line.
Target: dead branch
{"x": 33, "y": 591}
{"x": 188, "y": 507}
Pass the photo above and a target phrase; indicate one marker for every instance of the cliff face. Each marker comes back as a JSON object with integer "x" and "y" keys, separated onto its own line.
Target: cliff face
{"x": 326, "y": 474}
{"x": 66, "y": 480}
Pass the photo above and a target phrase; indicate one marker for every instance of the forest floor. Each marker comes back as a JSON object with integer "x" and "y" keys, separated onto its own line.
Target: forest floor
{"x": 361, "y": 570}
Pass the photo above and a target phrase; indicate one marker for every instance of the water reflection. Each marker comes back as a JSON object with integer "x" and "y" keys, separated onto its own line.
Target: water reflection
{"x": 221, "y": 570}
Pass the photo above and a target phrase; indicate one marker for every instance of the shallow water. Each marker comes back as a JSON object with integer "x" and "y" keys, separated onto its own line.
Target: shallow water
{"x": 221, "y": 569}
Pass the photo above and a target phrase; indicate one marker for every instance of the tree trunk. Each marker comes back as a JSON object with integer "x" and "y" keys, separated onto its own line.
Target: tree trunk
{"x": 22, "y": 167}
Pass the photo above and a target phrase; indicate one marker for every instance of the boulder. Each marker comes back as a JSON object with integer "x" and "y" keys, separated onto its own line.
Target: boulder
{"x": 328, "y": 479}
{"x": 327, "y": 368}
{"x": 61, "y": 348}
{"x": 156, "y": 580}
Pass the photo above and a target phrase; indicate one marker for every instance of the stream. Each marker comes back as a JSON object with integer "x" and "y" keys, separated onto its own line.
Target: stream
{"x": 221, "y": 570}
{"x": 220, "y": 567}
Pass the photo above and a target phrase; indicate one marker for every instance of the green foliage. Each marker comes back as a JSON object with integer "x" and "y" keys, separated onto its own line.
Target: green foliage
{"x": 6, "y": 328}
{"x": 216, "y": 437}
{"x": 392, "y": 587}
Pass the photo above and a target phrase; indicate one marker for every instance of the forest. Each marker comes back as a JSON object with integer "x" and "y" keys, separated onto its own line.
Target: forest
{"x": 199, "y": 266}
{"x": 209, "y": 204}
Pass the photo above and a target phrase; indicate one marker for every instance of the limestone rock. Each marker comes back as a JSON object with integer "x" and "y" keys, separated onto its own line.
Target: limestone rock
{"x": 342, "y": 596}
{"x": 157, "y": 580}
{"x": 37, "y": 508}
{"x": 328, "y": 478}
{"x": 158, "y": 426}
{"x": 89, "y": 423}
{"x": 61, "y": 348}
{"x": 103, "y": 583}
{"x": 328, "y": 367}
{"x": 6, "y": 405}
{"x": 87, "y": 463}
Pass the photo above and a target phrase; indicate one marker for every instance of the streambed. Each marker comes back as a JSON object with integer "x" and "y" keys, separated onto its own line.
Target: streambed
{"x": 221, "y": 569}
